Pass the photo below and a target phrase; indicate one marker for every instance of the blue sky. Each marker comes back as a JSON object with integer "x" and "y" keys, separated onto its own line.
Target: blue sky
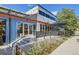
{"x": 54, "y": 8}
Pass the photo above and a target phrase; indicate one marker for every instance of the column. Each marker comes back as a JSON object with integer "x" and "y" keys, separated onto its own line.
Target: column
{"x": 32, "y": 29}
{"x": 7, "y": 31}
{"x": 42, "y": 27}
{"x": 44, "y": 31}
{"x": 23, "y": 29}
{"x": 28, "y": 29}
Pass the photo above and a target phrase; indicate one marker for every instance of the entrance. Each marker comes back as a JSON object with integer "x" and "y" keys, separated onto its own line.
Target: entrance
{"x": 2, "y": 31}
{"x": 22, "y": 29}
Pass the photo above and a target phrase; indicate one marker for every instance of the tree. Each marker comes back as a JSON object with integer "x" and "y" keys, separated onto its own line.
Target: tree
{"x": 68, "y": 16}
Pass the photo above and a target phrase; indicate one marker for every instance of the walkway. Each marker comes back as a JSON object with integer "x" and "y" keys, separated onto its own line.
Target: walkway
{"x": 70, "y": 47}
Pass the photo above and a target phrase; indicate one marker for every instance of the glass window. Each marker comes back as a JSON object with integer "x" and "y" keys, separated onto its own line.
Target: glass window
{"x": 46, "y": 28}
{"x": 46, "y": 15}
{"x": 34, "y": 26}
{"x": 20, "y": 29}
{"x": 25, "y": 29}
{"x": 2, "y": 31}
{"x": 30, "y": 29}
{"x": 40, "y": 27}
{"x": 34, "y": 29}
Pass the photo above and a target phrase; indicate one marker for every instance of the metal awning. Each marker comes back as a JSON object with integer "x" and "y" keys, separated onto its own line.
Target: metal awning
{"x": 58, "y": 24}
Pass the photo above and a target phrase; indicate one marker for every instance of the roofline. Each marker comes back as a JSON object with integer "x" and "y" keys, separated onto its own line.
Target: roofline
{"x": 22, "y": 18}
{"x": 46, "y": 9}
{"x": 10, "y": 9}
{"x": 43, "y": 8}
{"x": 28, "y": 10}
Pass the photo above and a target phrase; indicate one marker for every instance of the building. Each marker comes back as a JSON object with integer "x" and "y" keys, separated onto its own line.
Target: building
{"x": 14, "y": 24}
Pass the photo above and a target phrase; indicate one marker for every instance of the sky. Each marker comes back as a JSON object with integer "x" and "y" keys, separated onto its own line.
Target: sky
{"x": 54, "y": 8}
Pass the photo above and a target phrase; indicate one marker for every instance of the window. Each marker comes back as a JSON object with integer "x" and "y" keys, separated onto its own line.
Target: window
{"x": 46, "y": 28}
{"x": 20, "y": 29}
{"x": 25, "y": 29}
{"x": 46, "y": 15}
{"x": 2, "y": 31}
{"x": 34, "y": 29}
{"x": 30, "y": 29}
{"x": 40, "y": 27}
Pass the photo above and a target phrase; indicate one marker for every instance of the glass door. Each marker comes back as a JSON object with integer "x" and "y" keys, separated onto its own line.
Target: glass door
{"x": 20, "y": 29}
{"x": 25, "y": 29}
{"x": 30, "y": 29}
{"x": 2, "y": 31}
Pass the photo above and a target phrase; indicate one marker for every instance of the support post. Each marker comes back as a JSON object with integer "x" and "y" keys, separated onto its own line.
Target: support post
{"x": 28, "y": 30}
{"x": 23, "y": 29}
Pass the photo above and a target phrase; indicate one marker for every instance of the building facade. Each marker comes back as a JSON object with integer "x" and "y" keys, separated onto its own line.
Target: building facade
{"x": 14, "y": 24}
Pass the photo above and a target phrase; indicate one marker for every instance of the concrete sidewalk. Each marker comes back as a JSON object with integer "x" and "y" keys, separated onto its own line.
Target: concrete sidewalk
{"x": 70, "y": 47}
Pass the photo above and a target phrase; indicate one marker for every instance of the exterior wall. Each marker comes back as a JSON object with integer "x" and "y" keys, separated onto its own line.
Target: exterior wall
{"x": 47, "y": 12}
{"x": 33, "y": 10}
{"x": 38, "y": 27}
{"x": 45, "y": 19}
{"x": 13, "y": 30}
{"x": 36, "y": 10}
{"x": 33, "y": 17}
{"x": 40, "y": 17}
{"x": 12, "y": 27}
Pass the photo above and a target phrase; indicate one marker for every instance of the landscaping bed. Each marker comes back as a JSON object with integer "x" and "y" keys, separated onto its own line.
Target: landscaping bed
{"x": 45, "y": 47}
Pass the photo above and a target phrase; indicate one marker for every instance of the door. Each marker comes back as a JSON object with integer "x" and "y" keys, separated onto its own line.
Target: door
{"x": 22, "y": 29}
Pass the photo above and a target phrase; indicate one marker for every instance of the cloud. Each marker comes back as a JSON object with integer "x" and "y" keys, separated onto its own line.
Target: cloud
{"x": 55, "y": 12}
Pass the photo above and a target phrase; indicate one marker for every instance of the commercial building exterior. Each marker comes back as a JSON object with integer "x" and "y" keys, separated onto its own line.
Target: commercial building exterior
{"x": 14, "y": 24}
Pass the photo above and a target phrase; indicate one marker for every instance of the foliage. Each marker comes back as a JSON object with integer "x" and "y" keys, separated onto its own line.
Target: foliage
{"x": 45, "y": 47}
{"x": 68, "y": 16}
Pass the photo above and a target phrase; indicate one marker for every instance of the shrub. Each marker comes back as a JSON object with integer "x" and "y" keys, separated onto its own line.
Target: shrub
{"x": 45, "y": 47}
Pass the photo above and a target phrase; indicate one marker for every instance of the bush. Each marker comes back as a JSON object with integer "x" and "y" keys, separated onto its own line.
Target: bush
{"x": 45, "y": 47}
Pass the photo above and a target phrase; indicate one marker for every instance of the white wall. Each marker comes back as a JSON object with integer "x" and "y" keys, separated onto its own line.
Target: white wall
{"x": 45, "y": 19}
{"x": 46, "y": 12}
{"x": 36, "y": 9}
{"x": 33, "y": 10}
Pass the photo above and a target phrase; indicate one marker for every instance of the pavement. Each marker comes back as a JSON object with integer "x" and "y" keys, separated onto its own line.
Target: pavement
{"x": 69, "y": 47}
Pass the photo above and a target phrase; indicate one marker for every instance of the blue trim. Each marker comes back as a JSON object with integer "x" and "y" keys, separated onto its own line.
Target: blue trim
{"x": 46, "y": 15}
{"x": 46, "y": 10}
